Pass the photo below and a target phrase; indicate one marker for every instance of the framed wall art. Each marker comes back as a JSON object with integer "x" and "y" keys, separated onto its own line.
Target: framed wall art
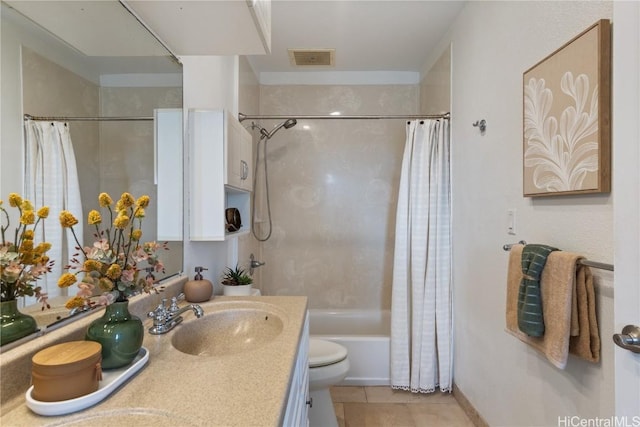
{"x": 566, "y": 118}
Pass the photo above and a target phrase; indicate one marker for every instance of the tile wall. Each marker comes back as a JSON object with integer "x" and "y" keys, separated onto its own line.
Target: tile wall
{"x": 333, "y": 189}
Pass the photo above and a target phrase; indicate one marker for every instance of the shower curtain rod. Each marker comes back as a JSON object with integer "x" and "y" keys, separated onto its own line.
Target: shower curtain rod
{"x": 445, "y": 116}
{"x": 86, "y": 119}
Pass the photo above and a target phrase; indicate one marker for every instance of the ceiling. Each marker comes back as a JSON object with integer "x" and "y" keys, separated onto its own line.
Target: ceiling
{"x": 383, "y": 35}
{"x": 367, "y": 35}
{"x": 95, "y": 28}
{"x": 102, "y": 36}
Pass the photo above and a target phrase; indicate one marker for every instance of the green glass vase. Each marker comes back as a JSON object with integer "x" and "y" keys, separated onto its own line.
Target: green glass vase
{"x": 120, "y": 334}
{"x": 14, "y": 324}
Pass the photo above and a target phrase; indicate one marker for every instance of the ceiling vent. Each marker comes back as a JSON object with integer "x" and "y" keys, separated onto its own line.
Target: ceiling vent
{"x": 312, "y": 57}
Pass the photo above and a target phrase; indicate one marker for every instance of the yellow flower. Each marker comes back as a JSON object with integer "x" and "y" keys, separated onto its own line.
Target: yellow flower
{"x": 42, "y": 248}
{"x": 114, "y": 272}
{"x": 74, "y": 302}
{"x": 27, "y": 258}
{"x": 66, "y": 280}
{"x": 127, "y": 200}
{"x": 27, "y": 235}
{"x": 136, "y": 234}
{"x": 41, "y": 259}
{"x": 94, "y": 217}
{"x": 92, "y": 265}
{"x": 26, "y": 205}
{"x": 26, "y": 245}
{"x": 43, "y": 212}
{"x": 105, "y": 284}
{"x": 121, "y": 221}
{"x": 15, "y": 200}
{"x": 67, "y": 219}
{"x": 105, "y": 200}
{"x": 143, "y": 201}
{"x": 139, "y": 213}
{"x": 28, "y": 217}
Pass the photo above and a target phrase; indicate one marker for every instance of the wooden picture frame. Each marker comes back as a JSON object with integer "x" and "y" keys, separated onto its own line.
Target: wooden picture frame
{"x": 566, "y": 118}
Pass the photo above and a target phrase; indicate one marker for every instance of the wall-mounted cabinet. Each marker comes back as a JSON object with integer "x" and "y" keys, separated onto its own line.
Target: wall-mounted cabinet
{"x": 220, "y": 175}
{"x": 238, "y": 157}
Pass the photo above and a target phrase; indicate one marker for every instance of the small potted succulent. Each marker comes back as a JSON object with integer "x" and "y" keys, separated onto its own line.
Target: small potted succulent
{"x": 236, "y": 282}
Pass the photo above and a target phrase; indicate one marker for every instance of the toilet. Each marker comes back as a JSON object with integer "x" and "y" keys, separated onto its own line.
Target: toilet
{"x": 328, "y": 366}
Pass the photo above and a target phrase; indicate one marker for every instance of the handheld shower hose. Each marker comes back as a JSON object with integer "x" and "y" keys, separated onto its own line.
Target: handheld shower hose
{"x": 266, "y": 136}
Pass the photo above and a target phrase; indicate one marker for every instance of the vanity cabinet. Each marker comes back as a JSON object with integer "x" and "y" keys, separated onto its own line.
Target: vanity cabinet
{"x": 220, "y": 173}
{"x": 297, "y": 411}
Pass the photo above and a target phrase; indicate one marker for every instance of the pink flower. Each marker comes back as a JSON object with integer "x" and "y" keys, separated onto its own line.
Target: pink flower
{"x": 127, "y": 275}
{"x": 140, "y": 255}
{"x": 38, "y": 270}
{"x": 85, "y": 289}
{"x": 102, "y": 300}
{"x": 102, "y": 244}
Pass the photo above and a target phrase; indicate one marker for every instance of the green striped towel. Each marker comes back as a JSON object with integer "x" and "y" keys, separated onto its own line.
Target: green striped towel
{"x": 530, "y": 319}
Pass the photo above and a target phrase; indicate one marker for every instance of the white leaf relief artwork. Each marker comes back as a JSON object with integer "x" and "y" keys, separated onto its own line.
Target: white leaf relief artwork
{"x": 561, "y": 154}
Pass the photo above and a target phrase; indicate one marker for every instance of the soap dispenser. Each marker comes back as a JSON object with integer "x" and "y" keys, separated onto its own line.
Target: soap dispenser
{"x": 198, "y": 289}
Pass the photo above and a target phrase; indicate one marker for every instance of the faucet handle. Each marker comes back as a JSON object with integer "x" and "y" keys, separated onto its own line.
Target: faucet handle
{"x": 160, "y": 310}
{"x": 174, "y": 305}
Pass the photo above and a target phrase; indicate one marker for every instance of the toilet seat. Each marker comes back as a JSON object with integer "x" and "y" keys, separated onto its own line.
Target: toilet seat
{"x": 324, "y": 353}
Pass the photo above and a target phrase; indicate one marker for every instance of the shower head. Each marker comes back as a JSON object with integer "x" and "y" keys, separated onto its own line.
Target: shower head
{"x": 287, "y": 124}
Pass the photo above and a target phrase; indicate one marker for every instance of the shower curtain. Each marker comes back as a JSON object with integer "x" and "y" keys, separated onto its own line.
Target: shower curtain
{"x": 421, "y": 319}
{"x": 51, "y": 179}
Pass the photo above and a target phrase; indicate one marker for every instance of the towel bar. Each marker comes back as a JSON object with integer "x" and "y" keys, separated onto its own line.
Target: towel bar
{"x": 601, "y": 265}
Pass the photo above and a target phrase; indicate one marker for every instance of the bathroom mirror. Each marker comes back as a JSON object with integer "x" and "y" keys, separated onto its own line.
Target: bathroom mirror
{"x": 93, "y": 59}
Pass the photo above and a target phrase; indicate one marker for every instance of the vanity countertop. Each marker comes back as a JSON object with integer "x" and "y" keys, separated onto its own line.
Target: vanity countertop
{"x": 174, "y": 388}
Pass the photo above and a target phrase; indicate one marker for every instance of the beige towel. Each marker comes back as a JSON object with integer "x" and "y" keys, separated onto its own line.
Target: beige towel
{"x": 559, "y": 307}
{"x": 585, "y": 341}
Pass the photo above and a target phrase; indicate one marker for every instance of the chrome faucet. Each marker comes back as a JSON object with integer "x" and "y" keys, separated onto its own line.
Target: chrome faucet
{"x": 166, "y": 318}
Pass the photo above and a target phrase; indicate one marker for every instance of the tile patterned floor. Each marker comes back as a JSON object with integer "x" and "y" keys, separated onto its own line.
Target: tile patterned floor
{"x": 384, "y": 407}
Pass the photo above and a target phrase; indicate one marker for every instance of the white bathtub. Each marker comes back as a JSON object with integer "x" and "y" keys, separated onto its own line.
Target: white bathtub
{"x": 365, "y": 334}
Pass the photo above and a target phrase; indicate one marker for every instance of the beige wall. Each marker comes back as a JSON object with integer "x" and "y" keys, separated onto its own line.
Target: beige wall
{"x": 509, "y": 383}
{"x": 435, "y": 86}
{"x": 333, "y": 193}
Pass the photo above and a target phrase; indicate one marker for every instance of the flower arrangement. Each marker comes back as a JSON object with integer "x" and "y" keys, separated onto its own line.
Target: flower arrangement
{"x": 22, "y": 261}
{"x": 112, "y": 263}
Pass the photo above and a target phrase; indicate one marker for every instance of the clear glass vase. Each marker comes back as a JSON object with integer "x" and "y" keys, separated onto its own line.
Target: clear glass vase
{"x": 120, "y": 334}
{"x": 14, "y": 324}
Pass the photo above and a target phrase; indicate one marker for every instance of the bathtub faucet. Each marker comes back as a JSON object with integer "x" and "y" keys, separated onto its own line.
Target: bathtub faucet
{"x": 165, "y": 319}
